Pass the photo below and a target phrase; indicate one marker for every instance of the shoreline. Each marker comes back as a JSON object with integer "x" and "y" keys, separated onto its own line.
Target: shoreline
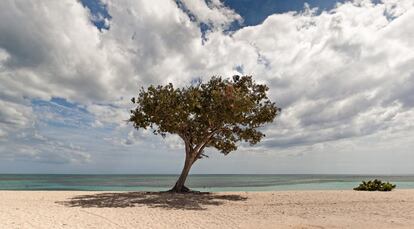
{"x": 211, "y": 192}
{"x": 209, "y": 183}
{"x": 268, "y": 209}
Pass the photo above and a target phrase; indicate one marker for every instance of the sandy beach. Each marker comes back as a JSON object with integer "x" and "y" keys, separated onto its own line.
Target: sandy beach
{"x": 284, "y": 209}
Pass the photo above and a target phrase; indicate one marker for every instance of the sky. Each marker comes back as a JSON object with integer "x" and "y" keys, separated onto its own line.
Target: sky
{"x": 343, "y": 73}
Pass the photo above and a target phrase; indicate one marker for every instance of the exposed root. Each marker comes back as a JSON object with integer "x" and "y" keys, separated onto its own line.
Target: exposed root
{"x": 184, "y": 189}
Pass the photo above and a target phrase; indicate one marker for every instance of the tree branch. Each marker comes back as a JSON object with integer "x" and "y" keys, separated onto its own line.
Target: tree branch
{"x": 188, "y": 148}
{"x": 199, "y": 149}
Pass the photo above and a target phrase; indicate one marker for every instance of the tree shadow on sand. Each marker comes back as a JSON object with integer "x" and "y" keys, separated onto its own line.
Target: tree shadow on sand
{"x": 188, "y": 201}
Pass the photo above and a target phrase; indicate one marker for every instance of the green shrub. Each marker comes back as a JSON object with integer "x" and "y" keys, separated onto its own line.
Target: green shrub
{"x": 375, "y": 185}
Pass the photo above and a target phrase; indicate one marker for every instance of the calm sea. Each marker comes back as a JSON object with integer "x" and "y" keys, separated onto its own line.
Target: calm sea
{"x": 198, "y": 182}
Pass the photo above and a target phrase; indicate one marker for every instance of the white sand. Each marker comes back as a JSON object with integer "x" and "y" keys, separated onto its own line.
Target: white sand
{"x": 285, "y": 209}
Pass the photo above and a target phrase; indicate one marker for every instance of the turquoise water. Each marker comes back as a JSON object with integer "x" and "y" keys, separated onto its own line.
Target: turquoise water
{"x": 198, "y": 182}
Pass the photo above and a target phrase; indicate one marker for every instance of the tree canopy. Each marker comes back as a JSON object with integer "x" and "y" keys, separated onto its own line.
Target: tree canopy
{"x": 217, "y": 114}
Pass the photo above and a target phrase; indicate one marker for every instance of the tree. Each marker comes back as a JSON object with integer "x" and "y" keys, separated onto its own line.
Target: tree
{"x": 215, "y": 114}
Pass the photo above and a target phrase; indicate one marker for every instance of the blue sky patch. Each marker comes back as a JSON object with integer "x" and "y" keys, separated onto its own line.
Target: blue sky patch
{"x": 99, "y": 13}
{"x": 59, "y": 112}
{"x": 253, "y": 12}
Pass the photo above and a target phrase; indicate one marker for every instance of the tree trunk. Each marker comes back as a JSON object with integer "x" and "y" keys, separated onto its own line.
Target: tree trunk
{"x": 179, "y": 185}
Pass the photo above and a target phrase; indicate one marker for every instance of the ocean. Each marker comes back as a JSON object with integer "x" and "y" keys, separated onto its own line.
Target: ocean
{"x": 222, "y": 182}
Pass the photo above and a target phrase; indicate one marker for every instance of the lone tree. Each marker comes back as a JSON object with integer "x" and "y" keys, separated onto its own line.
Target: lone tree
{"x": 215, "y": 114}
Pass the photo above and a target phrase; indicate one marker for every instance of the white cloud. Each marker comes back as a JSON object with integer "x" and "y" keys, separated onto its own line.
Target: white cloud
{"x": 343, "y": 74}
{"x": 33, "y": 146}
{"x": 212, "y": 13}
{"x": 13, "y": 117}
{"x": 336, "y": 74}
